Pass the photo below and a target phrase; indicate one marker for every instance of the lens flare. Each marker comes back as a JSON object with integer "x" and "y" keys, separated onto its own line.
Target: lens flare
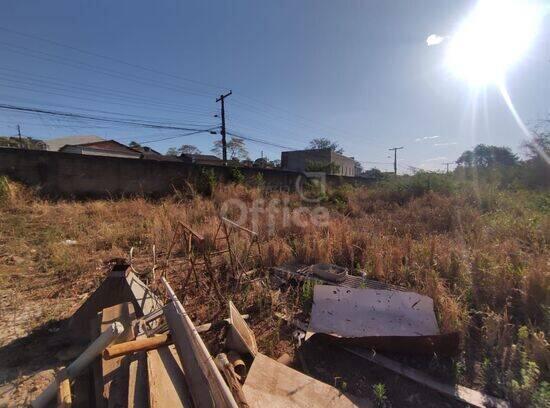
{"x": 493, "y": 37}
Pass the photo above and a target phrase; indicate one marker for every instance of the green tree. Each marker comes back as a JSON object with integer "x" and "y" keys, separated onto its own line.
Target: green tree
{"x": 373, "y": 173}
{"x": 485, "y": 156}
{"x": 133, "y": 144}
{"x": 324, "y": 143}
{"x": 183, "y": 149}
{"x": 235, "y": 147}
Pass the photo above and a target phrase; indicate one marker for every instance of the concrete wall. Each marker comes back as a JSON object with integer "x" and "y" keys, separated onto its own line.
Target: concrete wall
{"x": 299, "y": 160}
{"x": 346, "y": 164}
{"x": 72, "y": 175}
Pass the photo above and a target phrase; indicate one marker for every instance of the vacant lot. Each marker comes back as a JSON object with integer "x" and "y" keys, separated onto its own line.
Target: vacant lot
{"x": 481, "y": 253}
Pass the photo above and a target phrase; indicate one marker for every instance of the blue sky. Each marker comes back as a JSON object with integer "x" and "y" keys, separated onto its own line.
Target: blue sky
{"x": 357, "y": 72}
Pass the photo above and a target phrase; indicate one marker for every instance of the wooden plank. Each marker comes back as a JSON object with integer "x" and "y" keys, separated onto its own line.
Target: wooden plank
{"x": 141, "y": 344}
{"x": 272, "y": 384}
{"x": 239, "y": 336}
{"x": 64, "y": 398}
{"x": 95, "y": 331}
{"x": 464, "y": 394}
{"x": 138, "y": 381}
{"x": 166, "y": 381}
{"x": 207, "y": 387}
{"x": 144, "y": 297}
{"x": 115, "y": 371}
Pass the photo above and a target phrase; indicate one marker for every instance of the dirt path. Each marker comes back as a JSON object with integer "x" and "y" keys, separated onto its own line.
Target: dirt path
{"x": 28, "y": 341}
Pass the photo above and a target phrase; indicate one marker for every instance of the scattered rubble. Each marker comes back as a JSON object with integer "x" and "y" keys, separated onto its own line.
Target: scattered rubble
{"x": 143, "y": 350}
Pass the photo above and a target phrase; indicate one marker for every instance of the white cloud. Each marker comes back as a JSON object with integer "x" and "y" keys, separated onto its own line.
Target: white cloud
{"x": 445, "y": 144}
{"x": 420, "y": 139}
{"x": 434, "y": 39}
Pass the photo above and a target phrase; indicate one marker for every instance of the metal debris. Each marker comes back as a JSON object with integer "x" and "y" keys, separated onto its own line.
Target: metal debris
{"x": 349, "y": 312}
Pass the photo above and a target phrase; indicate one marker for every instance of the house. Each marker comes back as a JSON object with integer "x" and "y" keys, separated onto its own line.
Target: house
{"x": 150, "y": 154}
{"x": 325, "y": 160}
{"x": 200, "y": 159}
{"x": 110, "y": 148}
{"x": 54, "y": 145}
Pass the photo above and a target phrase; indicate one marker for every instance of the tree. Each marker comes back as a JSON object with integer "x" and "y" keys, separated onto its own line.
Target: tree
{"x": 324, "y": 143}
{"x": 261, "y": 162}
{"x": 172, "y": 151}
{"x": 189, "y": 149}
{"x": 358, "y": 168}
{"x": 373, "y": 173}
{"x": 466, "y": 159}
{"x": 25, "y": 142}
{"x": 484, "y": 156}
{"x": 134, "y": 145}
{"x": 537, "y": 166}
{"x": 183, "y": 149}
{"x": 236, "y": 148}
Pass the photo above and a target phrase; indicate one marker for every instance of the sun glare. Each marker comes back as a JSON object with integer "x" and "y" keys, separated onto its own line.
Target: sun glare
{"x": 492, "y": 38}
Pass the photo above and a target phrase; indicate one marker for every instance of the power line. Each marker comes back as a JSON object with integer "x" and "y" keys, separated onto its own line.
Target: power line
{"x": 395, "y": 149}
{"x": 102, "y": 119}
{"x": 448, "y": 164}
{"x": 176, "y": 137}
{"x": 109, "y": 72}
{"x": 110, "y": 58}
{"x": 261, "y": 141}
{"x": 37, "y": 86}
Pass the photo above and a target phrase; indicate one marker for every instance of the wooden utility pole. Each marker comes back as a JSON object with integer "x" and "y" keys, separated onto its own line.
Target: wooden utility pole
{"x": 224, "y": 141}
{"x": 448, "y": 164}
{"x": 19, "y": 134}
{"x": 395, "y": 149}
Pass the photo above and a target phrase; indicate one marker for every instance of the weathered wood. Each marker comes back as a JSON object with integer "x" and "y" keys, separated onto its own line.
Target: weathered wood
{"x": 239, "y": 336}
{"x": 115, "y": 371}
{"x": 272, "y": 384}
{"x": 472, "y": 397}
{"x": 64, "y": 398}
{"x": 208, "y": 389}
{"x": 142, "y": 344}
{"x": 83, "y": 361}
{"x": 137, "y": 381}
{"x": 167, "y": 386}
{"x": 232, "y": 379}
{"x": 118, "y": 287}
{"x": 149, "y": 343}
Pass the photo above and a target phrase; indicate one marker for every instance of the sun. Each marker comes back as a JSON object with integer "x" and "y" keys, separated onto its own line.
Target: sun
{"x": 492, "y": 38}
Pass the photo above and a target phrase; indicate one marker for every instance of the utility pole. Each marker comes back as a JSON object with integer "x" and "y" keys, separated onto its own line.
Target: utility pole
{"x": 224, "y": 141}
{"x": 448, "y": 164}
{"x": 20, "y": 140}
{"x": 395, "y": 149}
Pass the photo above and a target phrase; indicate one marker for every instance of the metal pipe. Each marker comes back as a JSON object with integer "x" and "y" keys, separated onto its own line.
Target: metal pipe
{"x": 93, "y": 350}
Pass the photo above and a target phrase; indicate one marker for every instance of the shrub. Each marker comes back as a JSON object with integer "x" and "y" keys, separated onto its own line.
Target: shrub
{"x": 236, "y": 175}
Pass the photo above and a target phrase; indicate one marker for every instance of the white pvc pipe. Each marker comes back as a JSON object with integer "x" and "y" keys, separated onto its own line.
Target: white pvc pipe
{"x": 93, "y": 350}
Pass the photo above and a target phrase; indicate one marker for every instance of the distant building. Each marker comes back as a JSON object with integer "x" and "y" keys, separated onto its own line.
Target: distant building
{"x": 318, "y": 160}
{"x": 56, "y": 144}
{"x": 110, "y": 148}
{"x": 200, "y": 159}
{"x": 150, "y": 154}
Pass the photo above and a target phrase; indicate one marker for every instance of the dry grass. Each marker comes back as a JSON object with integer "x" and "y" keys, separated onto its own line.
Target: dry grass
{"x": 482, "y": 256}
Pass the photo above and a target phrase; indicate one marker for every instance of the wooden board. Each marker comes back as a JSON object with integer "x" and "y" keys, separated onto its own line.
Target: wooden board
{"x": 207, "y": 387}
{"x": 239, "y": 336}
{"x": 272, "y": 384}
{"x": 138, "y": 381}
{"x": 115, "y": 371}
{"x": 167, "y": 386}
